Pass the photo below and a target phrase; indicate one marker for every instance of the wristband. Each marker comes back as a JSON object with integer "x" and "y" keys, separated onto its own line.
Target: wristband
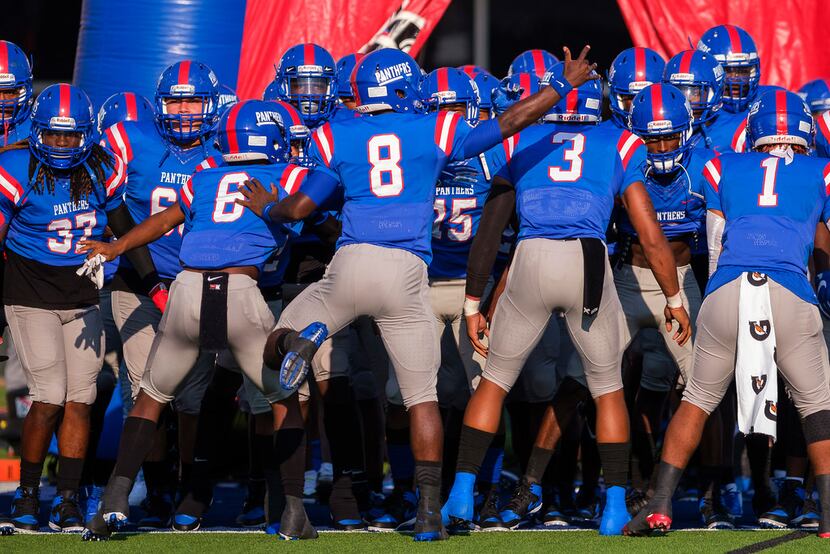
{"x": 266, "y": 211}
{"x": 557, "y": 81}
{"x": 471, "y": 305}
{"x": 675, "y": 301}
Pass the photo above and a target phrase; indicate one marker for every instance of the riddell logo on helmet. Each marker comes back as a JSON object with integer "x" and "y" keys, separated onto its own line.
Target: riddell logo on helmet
{"x": 637, "y": 86}
{"x": 394, "y": 73}
{"x": 660, "y": 125}
{"x": 62, "y": 122}
{"x": 682, "y": 78}
{"x": 445, "y": 95}
{"x": 309, "y": 69}
{"x": 7, "y": 79}
{"x": 183, "y": 89}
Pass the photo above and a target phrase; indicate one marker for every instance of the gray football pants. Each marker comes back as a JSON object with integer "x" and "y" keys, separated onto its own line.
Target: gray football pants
{"x": 546, "y": 276}
{"x": 801, "y": 353}
{"x": 390, "y": 285}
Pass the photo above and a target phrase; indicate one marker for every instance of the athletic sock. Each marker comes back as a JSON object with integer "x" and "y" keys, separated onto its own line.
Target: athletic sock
{"x": 472, "y": 446}
{"x": 30, "y": 473}
{"x": 537, "y": 464}
{"x": 289, "y": 445}
{"x": 137, "y": 440}
{"x": 614, "y": 459}
{"x": 69, "y": 473}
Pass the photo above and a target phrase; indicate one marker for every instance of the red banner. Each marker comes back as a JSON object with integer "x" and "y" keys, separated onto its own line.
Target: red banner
{"x": 789, "y": 34}
{"x": 340, "y": 26}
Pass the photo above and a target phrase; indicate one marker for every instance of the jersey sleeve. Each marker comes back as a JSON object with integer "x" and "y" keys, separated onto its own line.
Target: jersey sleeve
{"x": 823, "y": 135}
{"x": 321, "y": 149}
{"x": 117, "y": 139}
{"x": 115, "y": 183}
{"x": 631, "y": 151}
{"x": 739, "y": 138}
{"x": 712, "y": 175}
{"x": 186, "y": 195}
{"x": 319, "y": 185}
{"x": 457, "y": 140}
{"x": 207, "y": 163}
{"x": 292, "y": 179}
{"x": 504, "y": 155}
{"x": 11, "y": 193}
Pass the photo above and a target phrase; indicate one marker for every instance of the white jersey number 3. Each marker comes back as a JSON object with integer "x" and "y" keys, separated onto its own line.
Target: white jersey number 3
{"x": 572, "y": 155}
{"x": 386, "y": 176}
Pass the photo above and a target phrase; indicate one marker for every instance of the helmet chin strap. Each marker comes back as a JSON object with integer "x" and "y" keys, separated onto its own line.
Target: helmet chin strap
{"x": 784, "y": 151}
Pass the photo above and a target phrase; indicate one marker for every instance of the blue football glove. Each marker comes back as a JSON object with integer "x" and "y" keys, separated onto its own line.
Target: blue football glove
{"x": 505, "y": 95}
{"x": 823, "y": 293}
{"x": 459, "y": 174}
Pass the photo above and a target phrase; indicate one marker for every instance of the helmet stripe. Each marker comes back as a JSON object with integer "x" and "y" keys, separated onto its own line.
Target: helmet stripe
{"x": 295, "y": 117}
{"x": 4, "y": 56}
{"x": 639, "y": 63}
{"x": 657, "y": 102}
{"x": 443, "y": 79}
{"x": 308, "y": 53}
{"x": 538, "y": 63}
{"x": 524, "y": 82}
{"x": 734, "y": 39}
{"x": 572, "y": 101}
{"x": 686, "y": 61}
{"x": 470, "y": 70}
{"x": 781, "y": 112}
{"x": 64, "y": 99}
{"x": 184, "y": 72}
{"x": 132, "y": 111}
{"x": 230, "y": 129}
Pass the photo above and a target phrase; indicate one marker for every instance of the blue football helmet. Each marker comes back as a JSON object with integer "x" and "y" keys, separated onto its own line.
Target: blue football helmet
{"x": 581, "y": 105}
{"x": 448, "y": 85}
{"x": 124, "y": 106}
{"x": 658, "y": 111}
{"x": 817, "y": 95}
{"x": 529, "y": 83}
{"x": 388, "y": 79}
{"x": 187, "y": 79}
{"x": 631, "y": 71}
{"x": 534, "y": 61}
{"x": 780, "y": 117}
{"x": 15, "y": 75}
{"x": 485, "y": 83}
{"x": 307, "y": 78}
{"x": 700, "y": 78}
{"x": 63, "y": 108}
{"x": 299, "y": 135}
{"x": 735, "y": 50}
{"x": 252, "y": 130}
{"x": 345, "y": 66}
{"x": 227, "y": 98}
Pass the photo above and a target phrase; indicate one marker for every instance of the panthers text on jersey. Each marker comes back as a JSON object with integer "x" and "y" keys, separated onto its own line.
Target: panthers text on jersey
{"x": 565, "y": 179}
{"x": 222, "y": 233}
{"x": 156, "y": 172}
{"x": 771, "y": 205}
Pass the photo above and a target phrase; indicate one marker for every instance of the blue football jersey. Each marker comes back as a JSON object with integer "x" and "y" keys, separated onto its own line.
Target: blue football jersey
{"x": 567, "y": 176}
{"x": 342, "y": 113}
{"x": 223, "y": 233}
{"x": 771, "y": 209}
{"x": 47, "y": 226}
{"x": 727, "y": 132}
{"x": 155, "y": 173}
{"x": 457, "y": 208}
{"x": 823, "y": 135}
{"x": 18, "y": 132}
{"x": 388, "y": 166}
{"x": 678, "y": 199}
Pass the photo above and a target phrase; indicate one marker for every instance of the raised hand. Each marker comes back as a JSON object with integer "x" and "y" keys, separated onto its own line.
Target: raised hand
{"x": 580, "y": 70}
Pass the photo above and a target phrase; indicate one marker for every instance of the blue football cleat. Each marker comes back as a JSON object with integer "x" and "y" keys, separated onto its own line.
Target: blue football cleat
{"x": 615, "y": 515}
{"x": 459, "y": 510}
{"x": 65, "y": 515}
{"x": 526, "y": 501}
{"x": 93, "y": 500}
{"x": 25, "y": 508}
{"x": 301, "y": 349}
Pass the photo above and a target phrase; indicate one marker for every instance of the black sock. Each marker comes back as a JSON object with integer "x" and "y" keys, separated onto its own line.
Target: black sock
{"x": 371, "y": 415}
{"x": 614, "y": 459}
{"x": 537, "y": 464}
{"x": 823, "y": 488}
{"x": 666, "y": 478}
{"x": 472, "y": 446}
{"x": 260, "y": 447}
{"x": 69, "y": 473}
{"x": 758, "y": 453}
{"x": 428, "y": 480}
{"x": 289, "y": 445}
{"x": 30, "y": 473}
{"x": 137, "y": 440}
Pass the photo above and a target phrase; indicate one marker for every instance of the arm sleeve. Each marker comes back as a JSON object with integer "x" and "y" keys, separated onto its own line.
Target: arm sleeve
{"x": 320, "y": 184}
{"x": 494, "y": 218}
{"x": 120, "y": 221}
{"x": 714, "y": 234}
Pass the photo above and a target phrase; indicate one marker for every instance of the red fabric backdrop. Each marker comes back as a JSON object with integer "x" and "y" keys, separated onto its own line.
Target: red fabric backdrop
{"x": 340, "y": 26}
{"x": 790, "y": 34}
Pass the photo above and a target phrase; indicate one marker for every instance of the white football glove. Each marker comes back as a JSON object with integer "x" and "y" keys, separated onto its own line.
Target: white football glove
{"x": 94, "y": 269}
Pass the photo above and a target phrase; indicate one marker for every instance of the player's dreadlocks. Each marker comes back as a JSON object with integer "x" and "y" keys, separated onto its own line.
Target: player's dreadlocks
{"x": 82, "y": 178}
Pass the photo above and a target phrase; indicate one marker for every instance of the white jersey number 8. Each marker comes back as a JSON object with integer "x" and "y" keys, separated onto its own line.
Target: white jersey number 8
{"x": 386, "y": 176}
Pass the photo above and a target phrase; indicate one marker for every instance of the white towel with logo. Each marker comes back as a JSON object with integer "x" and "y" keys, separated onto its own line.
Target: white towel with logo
{"x": 756, "y": 374}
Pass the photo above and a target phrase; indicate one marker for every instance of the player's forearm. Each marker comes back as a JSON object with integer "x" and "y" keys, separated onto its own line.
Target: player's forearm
{"x": 149, "y": 230}
{"x": 661, "y": 261}
{"x": 527, "y": 111}
{"x": 494, "y": 219}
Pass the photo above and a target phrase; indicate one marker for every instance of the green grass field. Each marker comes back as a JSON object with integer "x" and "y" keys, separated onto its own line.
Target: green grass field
{"x": 692, "y": 542}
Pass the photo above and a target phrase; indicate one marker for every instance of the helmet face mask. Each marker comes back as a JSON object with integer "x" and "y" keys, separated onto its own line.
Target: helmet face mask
{"x": 662, "y": 117}
{"x": 307, "y": 78}
{"x": 734, "y": 49}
